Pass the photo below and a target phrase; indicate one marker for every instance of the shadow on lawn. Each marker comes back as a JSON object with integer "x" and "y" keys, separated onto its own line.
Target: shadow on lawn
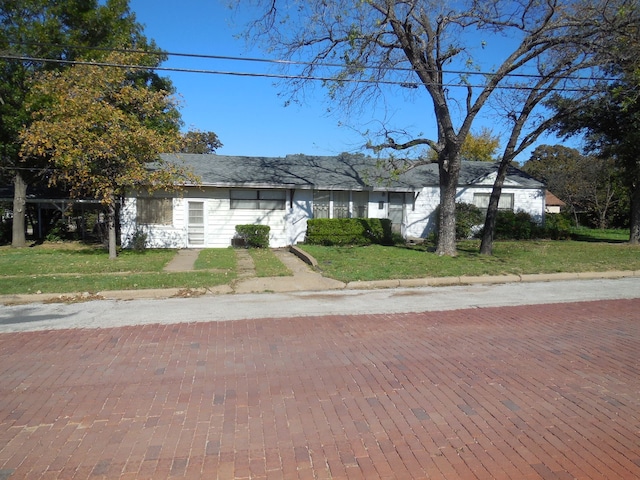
{"x": 594, "y": 238}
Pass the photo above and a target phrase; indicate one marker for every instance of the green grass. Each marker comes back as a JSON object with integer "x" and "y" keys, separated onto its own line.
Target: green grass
{"x": 267, "y": 264}
{"x": 377, "y": 262}
{"x": 589, "y": 235}
{"x": 73, "y": 267}
{"x": 78, "y": 258}
{"x": 99, "y": 282}
{"x": 216, "y": 258}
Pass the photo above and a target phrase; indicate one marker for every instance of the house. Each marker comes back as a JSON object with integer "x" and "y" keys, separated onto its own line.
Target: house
{"x": 285, "y": 192}
{"x": 552, "y": 203}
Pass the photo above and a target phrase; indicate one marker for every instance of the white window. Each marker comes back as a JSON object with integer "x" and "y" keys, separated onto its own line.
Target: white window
{"x": 154, "y": 211}
{"x": 481, "y": 200}
{"x": 258, "y": 199}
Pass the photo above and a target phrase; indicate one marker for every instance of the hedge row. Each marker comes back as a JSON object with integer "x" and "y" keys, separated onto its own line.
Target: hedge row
{"x": 509, "y": 225}
{"x": 349, "y": 231}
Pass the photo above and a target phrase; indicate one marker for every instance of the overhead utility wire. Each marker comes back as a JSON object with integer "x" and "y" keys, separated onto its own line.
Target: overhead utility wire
{"x": 267, "y": 75}
{"x": 160, "y": 53}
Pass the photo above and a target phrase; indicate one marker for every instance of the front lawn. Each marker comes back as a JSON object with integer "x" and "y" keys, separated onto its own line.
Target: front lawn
{"x": 377, "y": 262}
{"x": 74, "y": 267}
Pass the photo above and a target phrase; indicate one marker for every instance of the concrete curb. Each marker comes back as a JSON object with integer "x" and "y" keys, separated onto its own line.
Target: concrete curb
{"x": 295, "y": 286}
{"x": 487, "y": 279}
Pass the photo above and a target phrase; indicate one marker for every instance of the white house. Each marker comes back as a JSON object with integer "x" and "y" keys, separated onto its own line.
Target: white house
{"x": 284, "y": 193}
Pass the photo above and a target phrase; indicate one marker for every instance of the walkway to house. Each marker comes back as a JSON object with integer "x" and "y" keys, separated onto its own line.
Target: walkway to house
{"x": 303, "y": 278}
{"x": 545, "y": 392}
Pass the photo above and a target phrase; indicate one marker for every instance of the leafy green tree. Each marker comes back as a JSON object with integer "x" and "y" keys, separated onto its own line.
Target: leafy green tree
{"x": 99, "y": 129}
{"x": 611, "y": 126}
{"x": 35, "y": 35}
{"x": 362, "y": 49}
{"x": 587, "y": 184}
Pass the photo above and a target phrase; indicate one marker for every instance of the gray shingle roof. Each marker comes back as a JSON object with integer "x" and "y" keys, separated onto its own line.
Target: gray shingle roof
{"x": 341, "y": 172}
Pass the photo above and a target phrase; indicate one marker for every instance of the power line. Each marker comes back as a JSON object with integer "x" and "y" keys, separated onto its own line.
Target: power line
{"x": 160, "y": 53}
{"x": 404, "y": 84}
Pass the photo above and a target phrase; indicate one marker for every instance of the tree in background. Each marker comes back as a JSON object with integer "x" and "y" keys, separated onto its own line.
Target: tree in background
{"x": 99, "y": 128}
{"x": 363, "y": 49}
{"x": 611, "y": 125}
{"x": 481, "y": 147}
{"x": 200, "y": 142}
{"x": 34, "y": 30}
{"x": 588, "y": 185}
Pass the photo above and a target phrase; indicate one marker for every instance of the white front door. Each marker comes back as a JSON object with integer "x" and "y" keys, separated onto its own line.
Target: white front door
{"x": 195, "y": 226}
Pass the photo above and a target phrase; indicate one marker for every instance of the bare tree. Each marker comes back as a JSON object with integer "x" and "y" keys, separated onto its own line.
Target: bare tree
{"x": 362, "y": 49}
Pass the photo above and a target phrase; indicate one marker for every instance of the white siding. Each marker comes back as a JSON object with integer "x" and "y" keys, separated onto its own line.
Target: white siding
{"x": 526, "y": 200}
{"x": 288, "y": 226}
{"x": 298, "y": 212}
{"x": 158, "y": 236}
{"x": 420, "y": 217}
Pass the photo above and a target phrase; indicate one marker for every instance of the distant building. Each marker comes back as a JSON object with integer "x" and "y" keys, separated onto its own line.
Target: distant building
{"x": 552, "y": 204}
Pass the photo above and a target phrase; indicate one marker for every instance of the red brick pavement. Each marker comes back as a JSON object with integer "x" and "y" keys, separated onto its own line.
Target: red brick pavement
{"x": 545, "y": 392}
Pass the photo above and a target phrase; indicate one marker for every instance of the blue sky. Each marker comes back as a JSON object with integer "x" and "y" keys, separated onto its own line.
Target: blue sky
{"x": 247, "y": 113}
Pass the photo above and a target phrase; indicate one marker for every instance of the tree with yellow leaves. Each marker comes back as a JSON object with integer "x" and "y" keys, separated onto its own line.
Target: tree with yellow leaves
{"x": 100, "y": 127}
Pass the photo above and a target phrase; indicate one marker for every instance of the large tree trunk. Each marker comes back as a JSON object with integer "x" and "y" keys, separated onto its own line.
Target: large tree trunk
{"x": 18, "y": 238}
{"x": 447, "y": 221}
{"x": 111, "y": 227}
{"x": 634, "y": 234}
{"x": 489, "y": 231}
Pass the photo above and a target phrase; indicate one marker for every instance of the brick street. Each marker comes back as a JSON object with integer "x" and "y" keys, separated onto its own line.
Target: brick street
{"x": 525, "y": 392}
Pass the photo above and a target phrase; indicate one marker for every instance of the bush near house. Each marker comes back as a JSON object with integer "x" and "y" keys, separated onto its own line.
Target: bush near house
{"x": 349, "y": 231}
{"x": 521, "y": 226}
{"x": 254, "y": 236}
{"x": 469, "y": 219}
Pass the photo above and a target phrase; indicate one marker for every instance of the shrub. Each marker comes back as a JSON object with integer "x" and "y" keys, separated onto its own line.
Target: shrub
{"x": 59, "y": 232}
{"x": 514, "y": 226}
{"x": 349, "y": 231}
{"x": 469, "y": 219}
{"x": 139, "y": 240}
{"x": 556, "y": 227}
{"x": 6, "y": 227}
{"x": 254, "y": 236}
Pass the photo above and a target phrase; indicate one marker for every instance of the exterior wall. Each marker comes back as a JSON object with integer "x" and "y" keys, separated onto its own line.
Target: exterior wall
{"x": 158, "y": 236}
{"x": 420, "y": 213}
{"x": 288, "y": 226}
{"x": 299, "y": 209}
{"x": 527, "y": 200}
